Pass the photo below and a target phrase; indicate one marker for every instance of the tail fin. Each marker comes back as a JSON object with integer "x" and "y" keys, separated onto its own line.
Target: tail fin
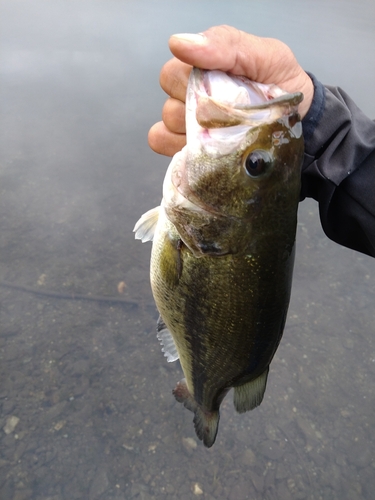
{"x": 205, "y": 422}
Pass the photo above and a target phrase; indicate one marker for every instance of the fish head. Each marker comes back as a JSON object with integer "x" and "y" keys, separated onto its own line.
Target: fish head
{"x": 240, "y": 169}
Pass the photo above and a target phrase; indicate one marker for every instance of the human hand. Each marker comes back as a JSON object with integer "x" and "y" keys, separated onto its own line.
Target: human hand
{"x": 264, "y": 60}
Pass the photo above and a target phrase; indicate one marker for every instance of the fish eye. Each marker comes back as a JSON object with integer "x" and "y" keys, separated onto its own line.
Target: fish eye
{"x": 257, "y": 162}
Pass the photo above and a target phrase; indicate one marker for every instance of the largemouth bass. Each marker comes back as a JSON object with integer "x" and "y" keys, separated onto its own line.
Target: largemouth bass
{"x": 223, "y": 241}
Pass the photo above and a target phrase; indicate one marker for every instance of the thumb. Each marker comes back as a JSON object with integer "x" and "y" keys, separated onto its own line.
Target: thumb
{"x": 226, "y": 48}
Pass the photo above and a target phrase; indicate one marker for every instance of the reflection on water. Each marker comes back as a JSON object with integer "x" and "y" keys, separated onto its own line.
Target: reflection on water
{"x": 85, "y": 393}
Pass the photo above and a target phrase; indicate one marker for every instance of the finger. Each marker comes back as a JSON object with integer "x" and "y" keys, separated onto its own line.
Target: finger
{"x": 174, "y": 116}
{"x": 163, "y": 141}
{"x": 229, "y": 49}
{"x": 174, "y": 78}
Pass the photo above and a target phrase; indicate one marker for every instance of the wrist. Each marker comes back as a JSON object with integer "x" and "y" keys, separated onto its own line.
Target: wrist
{"x": 315, "y": 109}
{"x": 308, "y": 96}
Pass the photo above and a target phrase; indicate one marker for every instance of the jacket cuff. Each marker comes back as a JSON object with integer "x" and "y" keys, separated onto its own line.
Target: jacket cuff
{"x": 311, "y": 120}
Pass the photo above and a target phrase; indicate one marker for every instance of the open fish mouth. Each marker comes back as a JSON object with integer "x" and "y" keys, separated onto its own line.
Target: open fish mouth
{"x": 225, "y": 106}
{"x": 246, "y": 100}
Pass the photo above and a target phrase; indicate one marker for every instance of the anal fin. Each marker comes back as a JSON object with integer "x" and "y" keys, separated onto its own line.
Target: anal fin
{"x": 206, "y": 423}
{"x": 249, "y": 395}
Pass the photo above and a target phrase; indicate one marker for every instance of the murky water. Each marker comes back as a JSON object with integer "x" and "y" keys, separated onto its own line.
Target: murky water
{"x": 85, "y": 393}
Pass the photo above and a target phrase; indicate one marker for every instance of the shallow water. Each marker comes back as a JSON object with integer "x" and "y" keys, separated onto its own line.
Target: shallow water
{"x": 86, "y": 410}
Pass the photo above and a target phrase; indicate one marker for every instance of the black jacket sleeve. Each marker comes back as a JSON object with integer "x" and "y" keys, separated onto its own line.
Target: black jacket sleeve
{"x": 339, "y": 167}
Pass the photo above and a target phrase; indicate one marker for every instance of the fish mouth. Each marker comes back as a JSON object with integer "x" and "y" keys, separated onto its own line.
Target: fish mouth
{"x": 225, "y": 100}
{"x": 225, "y": 106}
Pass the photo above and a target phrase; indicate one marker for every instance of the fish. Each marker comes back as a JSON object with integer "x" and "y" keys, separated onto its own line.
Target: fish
{"x": 223, "y": 241}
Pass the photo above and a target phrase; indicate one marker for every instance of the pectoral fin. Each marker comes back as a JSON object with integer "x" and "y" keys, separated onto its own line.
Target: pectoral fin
{"x": 249, "y": 395}
{"x": 145, "y": 228}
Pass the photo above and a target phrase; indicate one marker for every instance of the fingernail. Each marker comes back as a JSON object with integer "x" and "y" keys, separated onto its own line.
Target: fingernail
{"x": 196, "y": 38}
